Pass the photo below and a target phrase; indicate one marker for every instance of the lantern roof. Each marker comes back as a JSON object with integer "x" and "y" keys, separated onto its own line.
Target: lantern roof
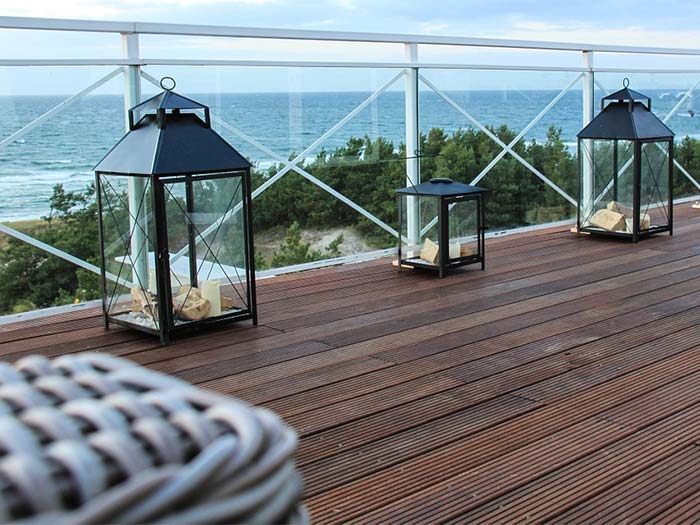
{"x": 627, "y": 116}
{"x": 168, "y": 141}
{"x": 168, "y": 100}
{"x": 619, "y": 121}
{"x": 626, "y": 95}
{"x": 441, "y": 187}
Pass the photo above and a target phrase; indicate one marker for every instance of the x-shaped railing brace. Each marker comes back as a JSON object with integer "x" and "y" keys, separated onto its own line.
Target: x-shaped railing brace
{"x": 506, "y": 148}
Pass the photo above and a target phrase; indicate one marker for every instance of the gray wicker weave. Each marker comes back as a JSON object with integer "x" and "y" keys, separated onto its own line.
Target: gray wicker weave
{"x": 90, "y": 438}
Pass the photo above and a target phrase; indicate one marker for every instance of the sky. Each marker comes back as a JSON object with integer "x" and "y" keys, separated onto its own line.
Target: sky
{"x": 672, "y": 23}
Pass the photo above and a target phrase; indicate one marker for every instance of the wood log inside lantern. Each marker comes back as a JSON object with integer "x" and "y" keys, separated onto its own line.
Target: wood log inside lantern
{"x": 190, "y": 306}
{"x": 142, "y": 301}
{"x": 644, "y": 218}
{"x": 430, "y": 251}
{"x": 466, "y": 250}
{"x": 620, "y": 208}
{"x": 608, "y": 220}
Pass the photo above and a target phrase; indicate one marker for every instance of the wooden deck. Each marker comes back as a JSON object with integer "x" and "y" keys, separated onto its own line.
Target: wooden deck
{"x": 561, "y": 384}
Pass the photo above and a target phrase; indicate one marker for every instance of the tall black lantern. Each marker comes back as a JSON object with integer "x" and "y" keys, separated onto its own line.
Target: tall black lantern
{"x": 437, "y": 214}
{"x": 175, "y": 222}
{"x": 625, "y": 170}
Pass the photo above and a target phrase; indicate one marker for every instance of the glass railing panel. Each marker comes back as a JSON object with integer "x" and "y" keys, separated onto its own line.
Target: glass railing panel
{"x": 46, "y": 181}
{"x": 473, "y": 111}
{"x": 60, "y": 150}
{"x": 343, "y": 135}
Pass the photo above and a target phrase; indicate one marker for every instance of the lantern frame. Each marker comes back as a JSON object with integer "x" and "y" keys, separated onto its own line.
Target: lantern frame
{"x": 447, "y": 194}
{"x": 625, "y": 116}
{"x": 164, "y": 152}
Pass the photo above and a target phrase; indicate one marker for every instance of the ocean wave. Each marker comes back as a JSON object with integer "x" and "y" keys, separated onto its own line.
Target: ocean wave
{"x": 48, "y": 162}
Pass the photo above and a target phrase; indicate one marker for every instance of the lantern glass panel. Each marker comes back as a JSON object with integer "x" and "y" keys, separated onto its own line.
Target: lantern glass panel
{"x": 612, "y": 166}
{"x": 418, "y": 225}
{"x": 654, "y": 191}
{"x": 207, "y": 247}
{"x": 128, "y": 244}
{"x": 463, "y": 229}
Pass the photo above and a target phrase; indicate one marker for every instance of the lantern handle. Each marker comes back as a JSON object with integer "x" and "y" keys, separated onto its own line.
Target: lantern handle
{"x": 625, "y": 82}
{"x": 163, "y": 81}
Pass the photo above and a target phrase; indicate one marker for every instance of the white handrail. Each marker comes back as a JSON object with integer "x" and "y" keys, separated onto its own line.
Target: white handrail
{"x": 50, "y": 24}
{"x": 202, "y": 62}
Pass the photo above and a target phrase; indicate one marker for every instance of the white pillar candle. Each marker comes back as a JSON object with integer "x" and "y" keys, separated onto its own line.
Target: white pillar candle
{"x": 210, "y": 291}
{"x": 152, "y": 285}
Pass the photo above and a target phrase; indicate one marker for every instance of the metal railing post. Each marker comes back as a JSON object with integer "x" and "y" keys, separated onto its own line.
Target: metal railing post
{"x": 586, "y": 193}
{"x": 136, "y": 185}
{"x": 412, "y": 144}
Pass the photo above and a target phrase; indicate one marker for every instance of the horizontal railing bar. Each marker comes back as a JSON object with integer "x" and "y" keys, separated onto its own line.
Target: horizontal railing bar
{"x": 276, "y": 63}
{"x": 644, "y": 70}
{"x": 48, "y": 24}
{"x": 68, "y": 62}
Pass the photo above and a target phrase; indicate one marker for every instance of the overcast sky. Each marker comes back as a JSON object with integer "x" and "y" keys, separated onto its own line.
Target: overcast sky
{"x": 672, "y": 23}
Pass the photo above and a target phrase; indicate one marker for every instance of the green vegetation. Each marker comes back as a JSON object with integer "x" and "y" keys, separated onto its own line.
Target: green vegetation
{"x": 31, "y": 278}
{"x": 365, "y": 170}
{"x": 294, "y": 251}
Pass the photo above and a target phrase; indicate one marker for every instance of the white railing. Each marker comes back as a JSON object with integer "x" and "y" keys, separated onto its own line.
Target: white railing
{"x": 131, "y": 65}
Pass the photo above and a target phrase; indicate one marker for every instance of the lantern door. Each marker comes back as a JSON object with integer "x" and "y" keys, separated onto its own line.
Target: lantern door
{"x": 655, "y": 189}
{"x": 607, "y": 187}
{"x": 419, "y": 228}
{"x": 464, "y": 230}
{"x": 206, "y": 271}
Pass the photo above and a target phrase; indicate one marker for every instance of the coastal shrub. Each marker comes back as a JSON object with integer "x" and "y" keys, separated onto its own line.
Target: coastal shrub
{"x": 29, "y": 275}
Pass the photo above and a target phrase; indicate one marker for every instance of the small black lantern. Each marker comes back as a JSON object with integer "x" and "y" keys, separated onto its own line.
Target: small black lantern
{"x": 437, "y": 214}
{"x": 175, "y": 222}
{"x": 625, "y": 170}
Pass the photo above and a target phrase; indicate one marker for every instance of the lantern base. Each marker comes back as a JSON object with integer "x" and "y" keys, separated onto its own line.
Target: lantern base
{"x": 127, "y": 319}
{"x": 416, "y": 263}
{"x": 600, "y": 232}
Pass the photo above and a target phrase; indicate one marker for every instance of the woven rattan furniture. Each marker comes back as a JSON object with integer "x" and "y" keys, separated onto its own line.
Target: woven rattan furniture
{"x": 90, "y": 438}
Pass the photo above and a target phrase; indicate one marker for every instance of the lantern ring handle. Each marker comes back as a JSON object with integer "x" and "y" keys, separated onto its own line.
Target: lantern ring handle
{"x": 163, "y": 82}
{"x": 625, "y": 82}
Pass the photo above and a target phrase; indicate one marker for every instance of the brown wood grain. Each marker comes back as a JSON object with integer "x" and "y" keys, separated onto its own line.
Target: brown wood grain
{"x": 562, "y": 384}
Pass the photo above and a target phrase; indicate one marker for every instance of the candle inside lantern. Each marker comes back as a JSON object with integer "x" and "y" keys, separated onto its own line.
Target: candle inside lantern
{"x": 210, "y": 291}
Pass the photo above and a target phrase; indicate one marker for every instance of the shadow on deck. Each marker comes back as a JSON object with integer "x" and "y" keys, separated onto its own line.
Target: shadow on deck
{"x": 561, "y": 383}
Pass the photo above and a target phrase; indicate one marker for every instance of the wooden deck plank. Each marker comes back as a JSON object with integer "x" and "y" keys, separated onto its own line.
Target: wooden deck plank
{"x": 354, "y": 498}
{"x": 686, "y": 511}
{"x": 424, "y": 338}
{"x": 648, "y": 493}
{"x": 562, "y": 383}
{"x": 589, "y": 441}
{"x": 484, "y": 379}
{"x": 604, "y": 474}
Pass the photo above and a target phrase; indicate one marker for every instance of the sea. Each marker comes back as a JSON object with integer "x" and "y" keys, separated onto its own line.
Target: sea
{"x": 64, "y": 149}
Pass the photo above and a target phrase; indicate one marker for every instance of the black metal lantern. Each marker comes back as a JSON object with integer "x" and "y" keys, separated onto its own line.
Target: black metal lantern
{"x": 625, "y": 170}
{"x": 437, "y": 214}
{"x": 175, "y": 222}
